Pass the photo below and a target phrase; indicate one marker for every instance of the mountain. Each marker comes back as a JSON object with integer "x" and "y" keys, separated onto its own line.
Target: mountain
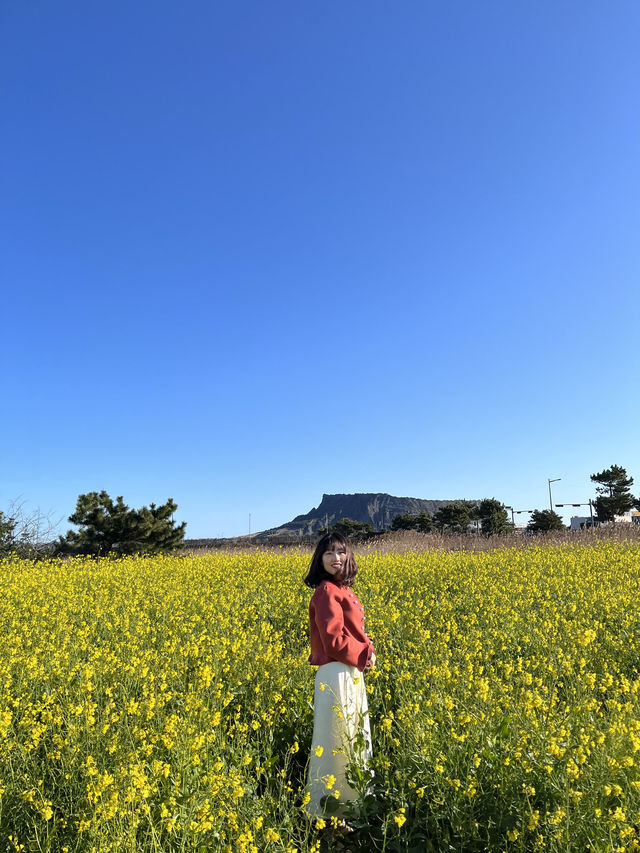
{"x": 377, "y": 508}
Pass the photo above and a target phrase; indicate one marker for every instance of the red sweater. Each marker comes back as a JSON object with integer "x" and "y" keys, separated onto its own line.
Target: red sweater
{"x": 336, "y": 627}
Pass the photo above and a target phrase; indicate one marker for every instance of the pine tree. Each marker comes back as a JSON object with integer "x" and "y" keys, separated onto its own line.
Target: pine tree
{"x": 543, "y": 520}
{"x": 407, "y": 521}
{"x": 7, "y": 534}
{"x": 455, "y": 518}
{"x": 348, "y": 527}
{"x": 108, "y": 526}
{"x": 614, "y": 493}
{"x": 493, "y": 517}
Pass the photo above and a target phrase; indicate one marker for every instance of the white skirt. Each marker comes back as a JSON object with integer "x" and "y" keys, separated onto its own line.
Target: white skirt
{"x": 340, "y": 713}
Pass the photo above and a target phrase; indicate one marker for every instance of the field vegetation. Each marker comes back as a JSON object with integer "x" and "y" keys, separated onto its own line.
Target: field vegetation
{"x": 164, "y": 703}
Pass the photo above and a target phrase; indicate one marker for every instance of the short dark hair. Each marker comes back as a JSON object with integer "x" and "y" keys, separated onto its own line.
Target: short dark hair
{"x": 317, "y": 573}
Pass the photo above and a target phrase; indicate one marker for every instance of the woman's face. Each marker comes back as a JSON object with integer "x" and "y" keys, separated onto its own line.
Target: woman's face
{"x": 334, "y": 559}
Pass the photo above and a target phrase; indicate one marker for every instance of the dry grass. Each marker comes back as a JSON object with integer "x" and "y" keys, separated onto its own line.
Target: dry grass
{"x": 409, "y": 540}
{"x": 404, "y": 541}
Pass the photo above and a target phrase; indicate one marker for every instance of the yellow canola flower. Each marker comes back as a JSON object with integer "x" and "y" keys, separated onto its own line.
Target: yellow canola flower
{"x": 400, "y": 817}
{"x": 172, "y": 694}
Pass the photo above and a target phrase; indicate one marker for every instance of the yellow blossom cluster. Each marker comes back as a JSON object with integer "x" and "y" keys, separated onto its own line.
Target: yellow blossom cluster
{"x": 161, "y": 704}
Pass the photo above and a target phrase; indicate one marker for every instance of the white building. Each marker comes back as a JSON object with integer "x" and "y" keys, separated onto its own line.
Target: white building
{"x": 628, "y": 518}
{"x": 578, "y": 522}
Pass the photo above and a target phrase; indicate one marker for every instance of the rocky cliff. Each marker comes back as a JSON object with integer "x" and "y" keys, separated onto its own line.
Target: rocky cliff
{"x": 378, "y": 509}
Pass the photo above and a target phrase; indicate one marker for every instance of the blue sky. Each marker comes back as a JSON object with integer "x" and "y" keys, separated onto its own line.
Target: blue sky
{"x": 253, "y": 252}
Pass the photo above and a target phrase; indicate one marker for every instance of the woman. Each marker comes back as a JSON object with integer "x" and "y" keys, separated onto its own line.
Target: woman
{"x": 341, "y": 650}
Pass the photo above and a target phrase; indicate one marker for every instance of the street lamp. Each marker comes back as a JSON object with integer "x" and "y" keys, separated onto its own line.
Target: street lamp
{"x": 557, "y": 480}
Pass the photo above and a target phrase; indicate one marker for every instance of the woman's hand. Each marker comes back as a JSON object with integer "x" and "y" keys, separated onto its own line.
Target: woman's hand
{"x": 371, "y": 662}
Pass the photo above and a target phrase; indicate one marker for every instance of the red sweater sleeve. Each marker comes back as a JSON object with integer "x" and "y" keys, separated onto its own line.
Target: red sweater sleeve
{"x": 337, "y": 642}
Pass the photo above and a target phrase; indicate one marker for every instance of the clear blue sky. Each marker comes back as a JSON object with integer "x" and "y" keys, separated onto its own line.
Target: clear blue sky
{"x": 257, "y": 251}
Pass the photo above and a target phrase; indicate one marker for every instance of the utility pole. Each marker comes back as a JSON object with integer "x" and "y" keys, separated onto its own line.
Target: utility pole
{"x": 557, "y": 480}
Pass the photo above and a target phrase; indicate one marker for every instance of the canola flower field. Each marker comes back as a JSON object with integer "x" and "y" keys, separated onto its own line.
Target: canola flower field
{"x": 164, "y": 704}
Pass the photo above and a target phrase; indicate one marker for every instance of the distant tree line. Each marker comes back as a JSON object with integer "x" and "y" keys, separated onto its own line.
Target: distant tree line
{"x": 613, "y": 499}
{"x": 489, "y": 514}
